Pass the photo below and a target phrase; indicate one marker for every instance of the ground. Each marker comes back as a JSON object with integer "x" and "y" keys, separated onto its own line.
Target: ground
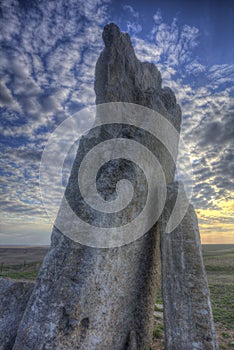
{"x": 24, "y": 263}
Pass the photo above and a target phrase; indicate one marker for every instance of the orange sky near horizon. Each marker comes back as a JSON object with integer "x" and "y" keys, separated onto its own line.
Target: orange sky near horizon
{"x": 217, "y": 226}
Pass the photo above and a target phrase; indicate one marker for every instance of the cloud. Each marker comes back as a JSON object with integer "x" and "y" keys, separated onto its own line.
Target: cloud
{"x": 131, "y": 10}
{"x": 134, "y": 28}
{"x": 157, "y": 19}
{"x": 172, "y": 48}
{"x": 5, "y": 95}
{"x": 176, "y": 42}
{"x": 133, "y": 25}
{"x": 146, "y": 51}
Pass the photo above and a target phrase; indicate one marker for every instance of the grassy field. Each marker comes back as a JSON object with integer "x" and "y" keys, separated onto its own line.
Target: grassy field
{"x": 219, "y": 263}
{"x": 24, "y": 263}
{"x": 21, "y": 262}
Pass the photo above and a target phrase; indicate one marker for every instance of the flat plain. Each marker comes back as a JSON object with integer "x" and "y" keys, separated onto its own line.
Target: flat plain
{"x": 23, "y": 262}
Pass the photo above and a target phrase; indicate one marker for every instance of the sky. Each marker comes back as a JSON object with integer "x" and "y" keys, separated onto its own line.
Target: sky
{"x": 47, "y": 61}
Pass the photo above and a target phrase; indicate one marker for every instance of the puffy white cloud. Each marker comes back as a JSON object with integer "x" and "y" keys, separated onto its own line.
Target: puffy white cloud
{"x": 157, "y": 19}
{"x": 134, "y": 28}
{"x": 131, "y": 10}
{"x": 146, "y": 51}
{"x": 5, "y": 95}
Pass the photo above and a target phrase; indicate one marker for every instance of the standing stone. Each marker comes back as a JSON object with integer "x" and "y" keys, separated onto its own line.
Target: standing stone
{"x": 188, "y": 316}
{"x": 92, "y": 298}
{"x": 13, "y": 301}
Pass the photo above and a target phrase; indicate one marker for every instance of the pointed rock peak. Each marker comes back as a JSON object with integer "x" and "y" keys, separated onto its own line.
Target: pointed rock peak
{"x": 112, "y": 34}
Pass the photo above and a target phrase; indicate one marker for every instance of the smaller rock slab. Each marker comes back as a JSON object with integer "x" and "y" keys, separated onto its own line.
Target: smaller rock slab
{"x": 188, "y": 320}
{"x": 14, "y": 296}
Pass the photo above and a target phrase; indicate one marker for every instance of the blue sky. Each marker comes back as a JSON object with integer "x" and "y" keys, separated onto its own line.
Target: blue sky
{"x": 47, "y": 60}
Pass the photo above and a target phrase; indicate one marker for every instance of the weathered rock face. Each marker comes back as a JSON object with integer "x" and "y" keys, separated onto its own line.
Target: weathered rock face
{"x": 120, "y": 76}
{"x": 188, "y": 316}
{"x": 92, "y": 298}
{"x": 96, "y": 299}
{"x": 13, "y": 301}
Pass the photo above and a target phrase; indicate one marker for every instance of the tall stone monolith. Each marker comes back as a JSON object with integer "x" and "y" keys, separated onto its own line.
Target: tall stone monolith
{"x": 94, "y": 298}
{"x": 103, "y": 298}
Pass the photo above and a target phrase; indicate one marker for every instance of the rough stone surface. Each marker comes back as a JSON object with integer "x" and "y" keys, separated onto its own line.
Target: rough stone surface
{"x": 13, "y": 301}
{"x": 96, "y": 299}
{"x": 120, "y": 76}
{"x": 188, "y": 316}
